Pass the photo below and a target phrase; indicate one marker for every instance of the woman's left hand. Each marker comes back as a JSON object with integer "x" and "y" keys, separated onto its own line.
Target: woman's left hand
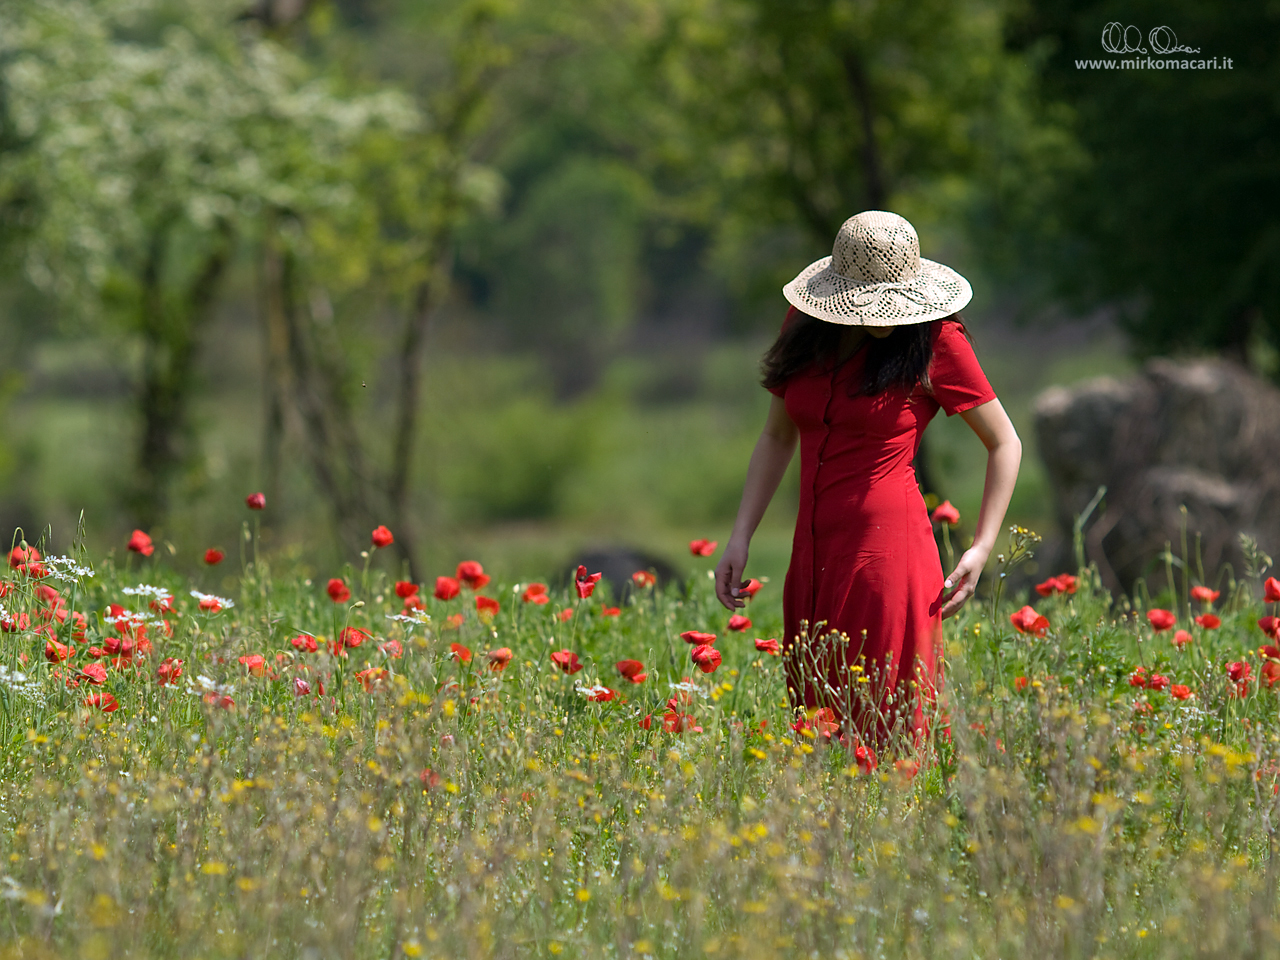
{"x": 963, "y": 580}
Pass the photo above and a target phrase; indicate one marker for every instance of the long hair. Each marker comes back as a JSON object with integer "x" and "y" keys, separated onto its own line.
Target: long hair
{"x": 898, "y": 360}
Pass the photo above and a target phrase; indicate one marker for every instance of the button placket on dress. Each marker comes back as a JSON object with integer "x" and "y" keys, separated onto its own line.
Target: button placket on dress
{"x": 813, "y": 500}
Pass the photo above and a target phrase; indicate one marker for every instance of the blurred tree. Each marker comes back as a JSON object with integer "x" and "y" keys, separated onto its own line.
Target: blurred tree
{"x": 149, "y": 137}
{"x": 1168, "y": 217}
{"x": 393, "y": 247}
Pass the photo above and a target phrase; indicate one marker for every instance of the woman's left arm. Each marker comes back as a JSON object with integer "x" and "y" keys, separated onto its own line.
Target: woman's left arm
{"x": 1004, "y": 454}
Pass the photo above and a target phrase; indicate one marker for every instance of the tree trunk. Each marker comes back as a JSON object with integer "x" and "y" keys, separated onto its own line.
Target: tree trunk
{"x": 332, "y": 441}
{"x": 872, "y": 170}
{"x": 408, "y": 402}
{"x": 170, "y": 332}
{"x": 275, "y": 330}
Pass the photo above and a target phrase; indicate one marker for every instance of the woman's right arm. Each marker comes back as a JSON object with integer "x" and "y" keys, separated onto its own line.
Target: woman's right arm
{"x": 769, "y": 462}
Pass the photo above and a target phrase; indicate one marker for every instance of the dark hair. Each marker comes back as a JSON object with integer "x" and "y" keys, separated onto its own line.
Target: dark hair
{"x": 898, "y": 360}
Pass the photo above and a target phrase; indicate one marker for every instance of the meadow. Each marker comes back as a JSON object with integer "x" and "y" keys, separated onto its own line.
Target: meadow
{"x": 351, "y": 765}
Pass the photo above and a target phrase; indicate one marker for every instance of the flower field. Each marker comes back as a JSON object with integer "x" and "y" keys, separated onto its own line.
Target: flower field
{"x": 349, "y": 765}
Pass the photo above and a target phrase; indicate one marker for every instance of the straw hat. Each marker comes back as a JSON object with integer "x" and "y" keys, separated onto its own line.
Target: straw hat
{"x": 876, "y": 277}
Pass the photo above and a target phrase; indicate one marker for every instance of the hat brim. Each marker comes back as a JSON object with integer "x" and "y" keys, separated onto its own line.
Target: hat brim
{"x": 937, "y": 291}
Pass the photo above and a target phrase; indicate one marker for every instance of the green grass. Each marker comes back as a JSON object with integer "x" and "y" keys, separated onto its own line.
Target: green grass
{"x": 434, "y": 807}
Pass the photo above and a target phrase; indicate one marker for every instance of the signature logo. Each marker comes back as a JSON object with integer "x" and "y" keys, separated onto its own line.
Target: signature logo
{"x": 1118, "y": 38}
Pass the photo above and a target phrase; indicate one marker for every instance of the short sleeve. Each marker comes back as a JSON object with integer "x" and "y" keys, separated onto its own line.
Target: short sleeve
{"x": 958, "y": 381}
{"x": 792, "y": 314}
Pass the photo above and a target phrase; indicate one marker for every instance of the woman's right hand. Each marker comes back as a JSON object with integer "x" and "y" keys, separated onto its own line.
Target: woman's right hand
{"x": 729, "y": 574}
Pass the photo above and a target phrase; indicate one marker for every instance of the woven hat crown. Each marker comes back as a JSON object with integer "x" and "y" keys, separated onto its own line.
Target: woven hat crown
{"x": 876, "y": 246}
{"x": 876, "y": 276}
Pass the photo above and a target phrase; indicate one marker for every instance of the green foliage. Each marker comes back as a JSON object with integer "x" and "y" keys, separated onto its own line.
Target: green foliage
{"x": 428, "y": 805}
{"x": 1163, "y": 217}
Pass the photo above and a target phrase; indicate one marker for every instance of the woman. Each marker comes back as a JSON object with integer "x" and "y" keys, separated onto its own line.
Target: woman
{"x": 871, "y": 349}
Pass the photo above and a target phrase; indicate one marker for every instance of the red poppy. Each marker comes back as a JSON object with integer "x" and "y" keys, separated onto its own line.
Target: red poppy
{"x": 677, "y": 721}
{"x": 14, "y": 623}
{"x": 414, "y": 602}
{"x": 381, "y": 537}
{"x": 750, "y": 588}
{"x": 1269, "y": 674}
{"x": 453, "y": 621}
{"x": 1270, "y": 626}
{"x": 1020, "y": 684}
{"x": 56, "y": 652}
{"x": 906, "y": 769}
{"x": 103, "y": 701}
{"x": 1027, "y": 620}
{"x": 706, "y": 657}
{"x": 220, "y": 700}
{"x": 646, "y": 722}
{"x": 600, "y": 695}
{"x": 945, "y": 513}
{"x": 255, "y": 663}
{"x": 738, "y": 623}
{"x": 1161, "y": 619}
{"x": 305, "y": 643}
{"x": 633, "y": 670}
{"x": 338, "y": 591}
{"x": 405, "y": 589}
{"x": 301, "y": 687}
{"x": 392, "y": 649}
{"x": 498, "y": 659}
{"x": 472, "y": 574}
{"x": 21, "y": 556}
{"x": 459, "y": 653}
{"x": 213, "y": 556}
{"x": 1239, "y": 670}
{"x": 141, "y": 543}
{"x": 585, "y": 582}
{"x": 1138, "y": 678}
{"x": 1209, "y": 621}
{"x": 702, "y": 548}
{"x": 567, "y": 661}
{"x": 644, "y": 578}
{"x": 48, "y": 595}
{"x": 486, "y": 605}
{"x": 770, "y": 646}
{"x": 373, "y": 679}
{"x": 610, "y": 611}
{"x": 1180, "y": 692}
{"x": 94, "y": 673}
{"x": 822, "y": 721}
{"x": 865, "y": 757}
{"x": 1204, "y": 594}
{"x": 169, "y": 671}
{"x": 1157, "y": 681}
{"x": 1181, "y": 639}
{"x": 447, "y": 588}
{"x": 535, "y": 593}
{"x": 1062, "y": 583}
{"x": 1270, "y": 589}
{"x": 353, "y": 636}
{"x": 256, "y": 501}
{"x": 207, "y": 604}
{"x": 697, "y": 638}
{"x": 429, "y": 778}
{"x": 564, "y": 614}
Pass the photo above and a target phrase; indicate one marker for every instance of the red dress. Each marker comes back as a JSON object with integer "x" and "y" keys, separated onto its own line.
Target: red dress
{"x": 864, "y": 561}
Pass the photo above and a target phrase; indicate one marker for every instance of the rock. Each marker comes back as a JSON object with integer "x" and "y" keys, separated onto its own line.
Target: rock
{"x": 618, "y": 563}
{"x": 1202, "y": 434}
